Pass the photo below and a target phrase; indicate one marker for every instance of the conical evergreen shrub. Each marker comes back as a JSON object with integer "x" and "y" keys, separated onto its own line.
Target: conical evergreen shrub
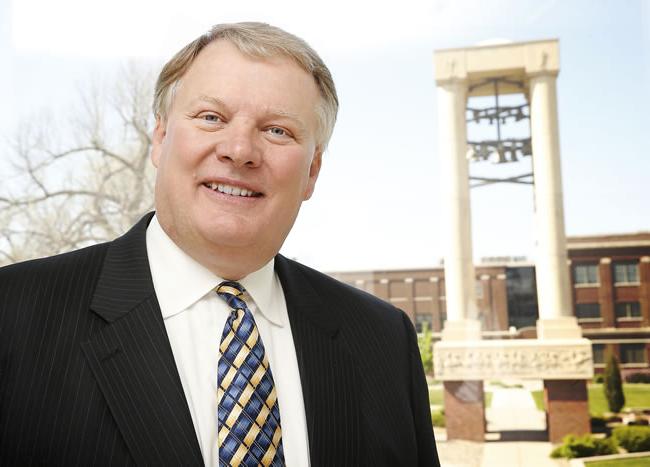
{"x": 613, "y": 385}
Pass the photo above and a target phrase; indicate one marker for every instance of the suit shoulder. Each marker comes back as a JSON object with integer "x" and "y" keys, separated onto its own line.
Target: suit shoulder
{"x": 347, "y": 295}
{"x": 44, "y": 269}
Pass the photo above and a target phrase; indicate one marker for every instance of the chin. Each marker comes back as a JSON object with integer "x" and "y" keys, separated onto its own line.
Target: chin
{"x": 221, "y": 236}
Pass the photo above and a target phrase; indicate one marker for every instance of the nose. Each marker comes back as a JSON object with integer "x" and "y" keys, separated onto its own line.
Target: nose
{"x": 239, "y": 146}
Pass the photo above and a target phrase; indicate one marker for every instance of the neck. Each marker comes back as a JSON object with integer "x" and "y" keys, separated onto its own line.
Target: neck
{"x": 229, "y": 263}
{"x": 232, "y": 267}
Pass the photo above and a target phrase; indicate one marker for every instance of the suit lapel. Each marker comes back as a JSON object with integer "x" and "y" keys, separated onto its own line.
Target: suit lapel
{"x": 132, "y": 360}
{"x": 133, "y": 363}
{"x": 327, "y": 371}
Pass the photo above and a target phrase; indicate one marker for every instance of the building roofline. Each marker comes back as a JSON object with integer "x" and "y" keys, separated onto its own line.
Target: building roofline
{"x": 495, "y": 46}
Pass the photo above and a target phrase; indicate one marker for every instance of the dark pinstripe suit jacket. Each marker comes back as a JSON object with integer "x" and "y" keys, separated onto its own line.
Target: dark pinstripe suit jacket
{"x": 87, "y": 375}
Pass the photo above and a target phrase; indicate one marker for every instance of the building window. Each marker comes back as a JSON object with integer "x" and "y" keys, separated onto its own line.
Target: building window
{"x": 633, "y": 353}
{"x": 587, "y": 311}
{"x": 599, "y": 353}
{"x": 628, "y": 310}
{"x": 421, "y": 318}
{"x": 584, "y": 274}
{"x": 521, "y": 291}
{"x": 626, "y": 273}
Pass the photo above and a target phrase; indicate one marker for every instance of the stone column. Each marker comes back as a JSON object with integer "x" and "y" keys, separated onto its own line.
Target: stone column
{"x": 553, "y": 287}
{"x": 456, "y": 222}
{"x": 566, "y": 400}
{"x": 464, "y": 400}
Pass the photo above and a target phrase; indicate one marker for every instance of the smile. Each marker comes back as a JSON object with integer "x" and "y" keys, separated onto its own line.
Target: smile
{"x": 231, "y": 190}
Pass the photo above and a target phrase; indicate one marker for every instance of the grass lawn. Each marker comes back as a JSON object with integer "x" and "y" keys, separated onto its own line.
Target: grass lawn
{"x": 636, "y": 462}
{"x": 538, "y": 397}
{"x": 636, "y": 395}
{"x": 488, "y": 399}
{"x": 435, "y": 396}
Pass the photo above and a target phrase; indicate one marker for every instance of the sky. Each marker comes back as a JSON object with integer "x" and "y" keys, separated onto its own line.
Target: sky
{"x": 378, "y": 203}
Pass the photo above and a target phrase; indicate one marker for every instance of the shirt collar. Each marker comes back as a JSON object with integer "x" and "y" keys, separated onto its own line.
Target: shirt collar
{"x": 180, "y": 281}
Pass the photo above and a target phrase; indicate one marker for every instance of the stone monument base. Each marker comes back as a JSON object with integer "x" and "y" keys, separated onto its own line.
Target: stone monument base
{"x": 563, "y": 364}
{"x": 567, "y": 408}
{"x": 547, "y": 359}
{"x": 465, "y": 409}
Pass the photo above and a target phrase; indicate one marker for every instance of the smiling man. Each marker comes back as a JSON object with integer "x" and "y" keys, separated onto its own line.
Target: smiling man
{"x": 237, "y": 152}
{"x": 190, "y": 340}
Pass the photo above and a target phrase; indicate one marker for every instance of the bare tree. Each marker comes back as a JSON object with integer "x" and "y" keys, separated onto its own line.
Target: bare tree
{"x": 86, "y": 182}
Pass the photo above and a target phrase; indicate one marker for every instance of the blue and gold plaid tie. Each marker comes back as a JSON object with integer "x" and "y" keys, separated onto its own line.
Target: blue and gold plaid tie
{"x": 249, "y": 418}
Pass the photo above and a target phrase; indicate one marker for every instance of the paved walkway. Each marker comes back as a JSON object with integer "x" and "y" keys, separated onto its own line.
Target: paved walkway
{"x": 513, "y": 409}
{"x": 519, "y": 454}
{"x": 497, "y": 454}
{"x": 512, "y": 415}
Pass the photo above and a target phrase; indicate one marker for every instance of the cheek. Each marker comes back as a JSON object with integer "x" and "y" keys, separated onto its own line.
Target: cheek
{"x": 185, "y": 150}
{"x": 293, "y": 173}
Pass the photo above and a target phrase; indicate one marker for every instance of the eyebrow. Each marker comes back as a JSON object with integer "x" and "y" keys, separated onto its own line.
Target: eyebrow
{"x": 273, "y": 112}
{"x": 211, "y": 100}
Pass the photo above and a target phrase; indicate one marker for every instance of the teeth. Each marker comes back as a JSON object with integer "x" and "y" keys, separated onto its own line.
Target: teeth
{"x": 230, "y": 190}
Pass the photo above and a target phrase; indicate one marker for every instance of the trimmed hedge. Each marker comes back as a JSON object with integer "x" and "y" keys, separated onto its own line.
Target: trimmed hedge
{"x": 633, "y": 438}
{"x": 638, "y": 377}
{"x": 584, "y": 446}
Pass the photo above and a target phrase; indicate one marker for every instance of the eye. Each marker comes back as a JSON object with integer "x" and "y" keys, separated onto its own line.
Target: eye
{"x": 278, "y": 131}
{"x": 210, "y": 117}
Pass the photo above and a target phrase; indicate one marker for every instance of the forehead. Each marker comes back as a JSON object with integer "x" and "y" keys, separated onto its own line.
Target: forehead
{"x": 223, "y": 72}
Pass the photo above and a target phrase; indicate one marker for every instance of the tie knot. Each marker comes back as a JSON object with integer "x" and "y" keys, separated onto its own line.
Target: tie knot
{"x": 232, "y": 293}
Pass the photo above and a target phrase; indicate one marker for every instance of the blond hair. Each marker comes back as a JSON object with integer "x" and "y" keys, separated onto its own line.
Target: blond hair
{"x": 255, "y": 40}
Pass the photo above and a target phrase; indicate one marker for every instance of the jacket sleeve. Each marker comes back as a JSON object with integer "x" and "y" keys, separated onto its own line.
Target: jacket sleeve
{"x": 427, "y": 453}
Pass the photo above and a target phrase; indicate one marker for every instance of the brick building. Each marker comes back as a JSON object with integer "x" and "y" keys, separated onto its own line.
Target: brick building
{"x": 610, "y": 280}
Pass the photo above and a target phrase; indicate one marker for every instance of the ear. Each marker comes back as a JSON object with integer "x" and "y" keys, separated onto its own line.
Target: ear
{"x": 314, "y": 170}
{"x": 158, "y": 137}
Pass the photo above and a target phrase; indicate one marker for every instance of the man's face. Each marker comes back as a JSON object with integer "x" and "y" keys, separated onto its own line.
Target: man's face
{"x": 237, "y": 153}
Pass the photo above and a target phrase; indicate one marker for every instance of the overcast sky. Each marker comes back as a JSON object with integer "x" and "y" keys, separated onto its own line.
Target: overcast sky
{"x": 377, "y": 203}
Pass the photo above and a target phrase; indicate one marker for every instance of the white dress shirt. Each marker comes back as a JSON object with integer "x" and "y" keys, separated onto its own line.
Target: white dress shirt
{"x": 195, "y": 316}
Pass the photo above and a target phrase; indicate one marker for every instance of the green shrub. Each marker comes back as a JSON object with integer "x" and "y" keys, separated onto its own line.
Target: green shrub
{"x": 633, "y": 438}
{"x": 584, "y": 446}
{"x": 638, "y": 377}
{"x": 425, "y": 343}
{"x": 438, "y": 418}
{"x": 599, "y": 378}
{"x": 613, "y": 386}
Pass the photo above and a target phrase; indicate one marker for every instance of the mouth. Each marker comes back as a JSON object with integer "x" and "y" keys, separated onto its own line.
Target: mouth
{"x": 232, "y": 190}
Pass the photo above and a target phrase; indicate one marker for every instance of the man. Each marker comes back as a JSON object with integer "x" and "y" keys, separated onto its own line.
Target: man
{"x": 190, "y": 340}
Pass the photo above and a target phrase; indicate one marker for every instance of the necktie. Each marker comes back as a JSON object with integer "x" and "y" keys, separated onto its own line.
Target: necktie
{"x": 249, "y": 430}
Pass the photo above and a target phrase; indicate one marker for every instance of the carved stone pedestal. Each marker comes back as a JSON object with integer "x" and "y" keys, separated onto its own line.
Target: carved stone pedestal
{"x": 567, "y": 408}
{"x": 465, "y": 409}
{"x": 563, "y": 364}
{"x": 557, "y": 359}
